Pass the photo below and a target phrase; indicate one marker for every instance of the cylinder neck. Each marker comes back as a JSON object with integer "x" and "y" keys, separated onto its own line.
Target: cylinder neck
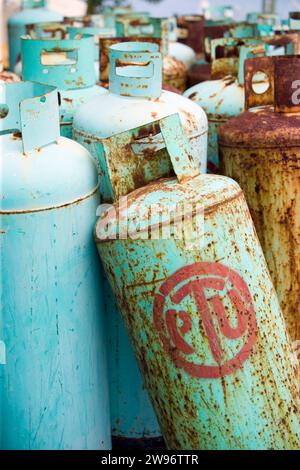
{"x": 28, "y": 4}
{"x": 283, "y": 90}
{"x": 135, "y": 70}
{"x": 66, "y": 63}
{"x": 32, "y": 109}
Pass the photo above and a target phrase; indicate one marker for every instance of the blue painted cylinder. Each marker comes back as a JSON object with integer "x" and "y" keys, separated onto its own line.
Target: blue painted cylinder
{"x": 67, "y": 64}
{"x": 32, "y": 12}
{"x": 53, "y": 371}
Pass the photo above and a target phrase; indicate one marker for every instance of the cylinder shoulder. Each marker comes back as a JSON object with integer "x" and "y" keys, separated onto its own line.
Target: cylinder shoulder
{"x": 110, "y": 114}
{"x": 54, "y": 175}
{"x": 218, "y": 97}
{"x": 203, "y": 194}
{"x": 261, "y": 127}
{"x": 33, "y": 15}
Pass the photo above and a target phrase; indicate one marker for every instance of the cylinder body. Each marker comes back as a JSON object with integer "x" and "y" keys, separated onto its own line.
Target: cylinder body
{"x": 206, "y": 324}
{"x": 54, "y": 391}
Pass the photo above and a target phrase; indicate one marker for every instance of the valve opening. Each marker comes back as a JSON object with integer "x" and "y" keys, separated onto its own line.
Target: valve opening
{"x": 260, "y": 83}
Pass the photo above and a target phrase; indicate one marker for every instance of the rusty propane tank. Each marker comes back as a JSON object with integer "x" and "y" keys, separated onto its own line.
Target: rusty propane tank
{"x": 197, "y": 300}
{"x": 261, "y": 150}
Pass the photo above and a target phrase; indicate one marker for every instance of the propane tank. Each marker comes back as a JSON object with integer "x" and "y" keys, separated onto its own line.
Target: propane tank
{"x": 261, "y": 150}
{"x": 75, "y": 77}
{"x": 179, "y": 51}
{"x": 224, "y": 97}
{"x": 132, "y": 100}
{"x": 197, "y": 301}
{"x": 33, "y": 11}
{"x": 53, "y": 374}
{"x": 135, "y": 96}
{"x": 190, "y": 31}
{"x": 174, "y": 71}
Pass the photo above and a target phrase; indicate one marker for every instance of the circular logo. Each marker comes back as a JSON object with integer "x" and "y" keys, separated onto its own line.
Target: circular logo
{"x": 222, "y": 310}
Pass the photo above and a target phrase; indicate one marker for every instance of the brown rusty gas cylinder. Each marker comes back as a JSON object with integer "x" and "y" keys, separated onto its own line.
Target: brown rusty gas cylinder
{"x": 191, "y": 281}
{"x": 260, "y": 149}
{"x": 191, "y": 31}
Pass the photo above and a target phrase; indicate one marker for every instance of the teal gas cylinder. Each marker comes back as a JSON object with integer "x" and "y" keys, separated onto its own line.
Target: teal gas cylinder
{"x": 134, "y": 97}
{"x": 73, "y": 75}
{"x": 53, "y": 373}
{"x": 33, "y": 11}
{"x": 224, "y": 97}
{"x": 189, "y": 276}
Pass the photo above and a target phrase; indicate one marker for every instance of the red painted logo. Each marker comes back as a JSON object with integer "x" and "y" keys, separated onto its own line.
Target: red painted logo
{"x": 218, "y": 293}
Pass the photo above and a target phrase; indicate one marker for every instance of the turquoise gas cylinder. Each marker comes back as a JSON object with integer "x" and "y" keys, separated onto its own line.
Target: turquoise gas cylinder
{"x": 33, "y": 11}
{"x": 73, "y": 75}
{"x": 224, "y": 98}
{"x": 135, "y": 96}
{"x": 53, "y": 373}
{"x": 97, "y": 32}
{"x": 187, "y": 270}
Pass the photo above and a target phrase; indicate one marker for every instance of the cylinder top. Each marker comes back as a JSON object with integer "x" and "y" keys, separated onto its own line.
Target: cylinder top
{"x": 40, "y": 170}
{"x": 261, "y": 128}
{"x": 26, "y": 16}
{"x": 203, "y": 194}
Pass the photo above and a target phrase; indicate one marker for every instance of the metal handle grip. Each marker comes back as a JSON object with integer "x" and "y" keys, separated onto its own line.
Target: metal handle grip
{"x": 128, "y": 171}
{"x": 64, "y": 76}
{"x": 142, "y": 69}
{"x": 32, "y": 109}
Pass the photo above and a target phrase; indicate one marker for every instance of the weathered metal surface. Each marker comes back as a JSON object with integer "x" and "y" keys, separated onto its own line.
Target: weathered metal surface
{"x": 53, "y": 379}
{"x": 224, "y": 98}
{"x": 123, "y": 112}
{"x": 260, "y": 149}
{"x": 191, "y": 31}
{"x": 17, "y": 28}
{"x": 174, "y": 71}
{"x": 132, "y": 414}
{"x": 105, "y": 45}
{"x": 69, "y": 65}
{"x": 205, "y": 322}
